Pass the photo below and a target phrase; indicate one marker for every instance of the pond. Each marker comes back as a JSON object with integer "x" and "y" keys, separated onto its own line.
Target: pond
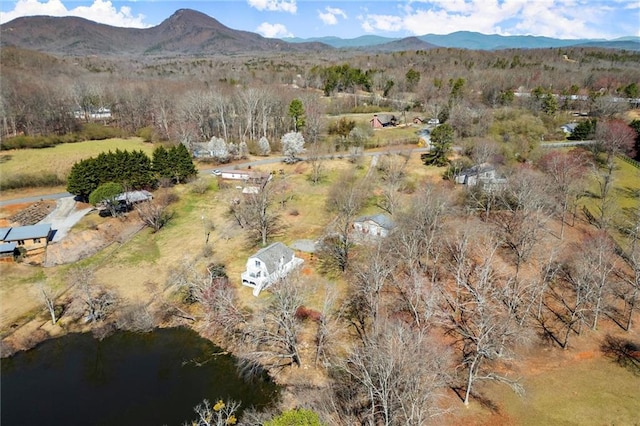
{"x": 125, "y": 379}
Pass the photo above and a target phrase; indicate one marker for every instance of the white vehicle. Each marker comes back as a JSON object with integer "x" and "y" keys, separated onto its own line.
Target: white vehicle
{"x": 216, "y": 172}
{"x": 433, "y": 121}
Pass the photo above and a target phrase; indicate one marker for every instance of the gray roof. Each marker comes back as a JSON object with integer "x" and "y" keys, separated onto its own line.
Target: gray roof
{"x": 3, "y": 233}
{"x": 381, "y": 219}
{"x": 29, "y": 232}
{"x": 7, "y": 247}
{"x": 134, "y": 196}
{"x": 477, "y": 169}
{"x": 272, "y": 254}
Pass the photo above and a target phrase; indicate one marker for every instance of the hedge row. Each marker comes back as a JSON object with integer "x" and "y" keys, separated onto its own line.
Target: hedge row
{"x": 89, "y": 131}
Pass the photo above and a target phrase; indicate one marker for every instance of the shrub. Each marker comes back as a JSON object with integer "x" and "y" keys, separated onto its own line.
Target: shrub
{"x": 28, "y": 180}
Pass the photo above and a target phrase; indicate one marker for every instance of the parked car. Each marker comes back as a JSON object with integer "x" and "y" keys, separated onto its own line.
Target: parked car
{"x": 433, "y": 121}
{"x": 216, "y": 172}
{"x": 119, "y": 209}
{"x": 291, "y": 160}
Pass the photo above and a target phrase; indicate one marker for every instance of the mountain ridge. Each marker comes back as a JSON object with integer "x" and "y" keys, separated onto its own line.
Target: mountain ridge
{"x": 189, "y": 32}
{"x": 185, "y": 32}
{"x": 478, "y": 41}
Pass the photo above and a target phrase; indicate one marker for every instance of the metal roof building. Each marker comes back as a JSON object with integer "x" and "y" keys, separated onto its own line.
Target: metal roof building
{"x": 30, "y": 232}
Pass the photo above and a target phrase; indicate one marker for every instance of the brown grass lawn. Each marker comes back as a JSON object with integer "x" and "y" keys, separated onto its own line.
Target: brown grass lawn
{"x": 575, "y": 387}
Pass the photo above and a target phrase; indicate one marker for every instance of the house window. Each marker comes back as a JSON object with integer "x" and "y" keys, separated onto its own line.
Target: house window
{"x": 257, "y": 263}
{"x": 20, "y": 242}
{"x": 36, "y": 240}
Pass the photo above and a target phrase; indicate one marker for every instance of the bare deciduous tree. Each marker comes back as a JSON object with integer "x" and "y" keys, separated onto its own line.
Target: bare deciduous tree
{"x": 523, "y": 213}
{"x": 566, "y": 171}
{"x": 392, "y": 173}
{"x": 394, "y": 378}
{"x": 368, "y": 278}
{"x": 49, "y": 296}
{"x": 473, "y": 315}
{"x": 222, "y": 413}
{"x": 98, "y": 301}
{"x": 255, "y": 212}
{"x": 155, "y": 213}
{"x": 345, "y": 199}
{"x": 272, "y": 334}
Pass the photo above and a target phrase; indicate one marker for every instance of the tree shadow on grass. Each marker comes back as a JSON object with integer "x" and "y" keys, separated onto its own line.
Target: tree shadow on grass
{"x": 5, "y": 158}
{"x": 624, "y": 352}
{"x": 482, "y": 400}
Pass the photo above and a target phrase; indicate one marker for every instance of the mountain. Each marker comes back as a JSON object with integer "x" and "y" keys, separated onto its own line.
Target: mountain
{"x": 409, "y": 43}
{"x": 340, "y": 43}
{"x": 186, "y": 32}
{"x": 477, "y": 41}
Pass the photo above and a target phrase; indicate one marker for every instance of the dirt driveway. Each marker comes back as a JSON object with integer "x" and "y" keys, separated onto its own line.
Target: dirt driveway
{"x": 66, "y": 214}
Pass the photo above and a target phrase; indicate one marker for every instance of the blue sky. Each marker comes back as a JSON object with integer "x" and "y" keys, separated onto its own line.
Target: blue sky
{"x": 348, "y": 19}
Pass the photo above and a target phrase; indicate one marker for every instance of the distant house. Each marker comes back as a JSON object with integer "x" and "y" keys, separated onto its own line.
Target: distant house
{"x": 568, "y": 128}
{"x": 485, "y": 175}
{"x": 419, "y": 120}
{"x": 383, "y": 120}
{"x": 269, "y": 265}
{"x": 101, "y": 113}
{"x": 379, "y": 225}
{"x": 32, "y": 238}
{"x": 251, "y": 176}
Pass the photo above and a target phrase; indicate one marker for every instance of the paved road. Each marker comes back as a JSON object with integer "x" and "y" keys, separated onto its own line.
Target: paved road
{"x": 35, "y": 199}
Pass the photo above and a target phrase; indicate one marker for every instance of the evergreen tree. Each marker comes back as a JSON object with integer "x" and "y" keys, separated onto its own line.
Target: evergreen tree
{"x": 83, "y": 178}
{"x": 181, "y": 164}
{"x": 296, "y": 112}
{"x": 441, "y": 141}
{"x": 161, "y": 163}
{"x": 584, "y": 130}
{"x": 635, "y": 125}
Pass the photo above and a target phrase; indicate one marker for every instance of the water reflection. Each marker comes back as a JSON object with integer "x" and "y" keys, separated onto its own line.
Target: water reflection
{"x": 126, "y": 379}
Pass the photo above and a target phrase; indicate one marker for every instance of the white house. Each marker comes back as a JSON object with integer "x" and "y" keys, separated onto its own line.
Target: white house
{"x": 269, "y": 265}
{"x": 483, "y": 174}
{"x": 379, "y": 225}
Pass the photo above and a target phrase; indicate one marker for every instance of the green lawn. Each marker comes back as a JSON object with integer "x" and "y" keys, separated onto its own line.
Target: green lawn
{"x": 60, "y": 158}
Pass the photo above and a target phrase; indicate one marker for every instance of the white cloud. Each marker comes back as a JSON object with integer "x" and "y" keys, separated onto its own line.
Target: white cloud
{"x": 273, "y": 30}
{"x": 101, "y": 11}
{"x": 274, "y": 5}
{"x": 552, "y": 18}
{"x": 331, "y": 14}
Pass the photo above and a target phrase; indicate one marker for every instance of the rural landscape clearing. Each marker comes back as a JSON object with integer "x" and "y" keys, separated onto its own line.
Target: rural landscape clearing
{"x": 391, "y": 234}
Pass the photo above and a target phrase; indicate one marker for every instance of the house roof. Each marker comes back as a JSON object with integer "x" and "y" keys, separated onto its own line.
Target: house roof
{"x": 7, "y": 247}
{"x": 382, "y": 220}
{"x": 569, "y": 127}
{"x": 384, "y": 118}
{"x": 478, "y": 168}
{"x": 29, "y": 232}
{"x": 3, "y": 233}
{"x": 272, "y": 254}
{"x": 134, "y": 196}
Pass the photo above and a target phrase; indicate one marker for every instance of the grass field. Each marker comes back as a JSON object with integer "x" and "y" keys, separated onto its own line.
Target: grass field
{"x": 625, "y": 195}
{"x": 61, "y": 158}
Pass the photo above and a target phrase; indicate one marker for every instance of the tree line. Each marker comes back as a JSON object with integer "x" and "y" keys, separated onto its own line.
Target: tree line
{"x": 131, "y": 169}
